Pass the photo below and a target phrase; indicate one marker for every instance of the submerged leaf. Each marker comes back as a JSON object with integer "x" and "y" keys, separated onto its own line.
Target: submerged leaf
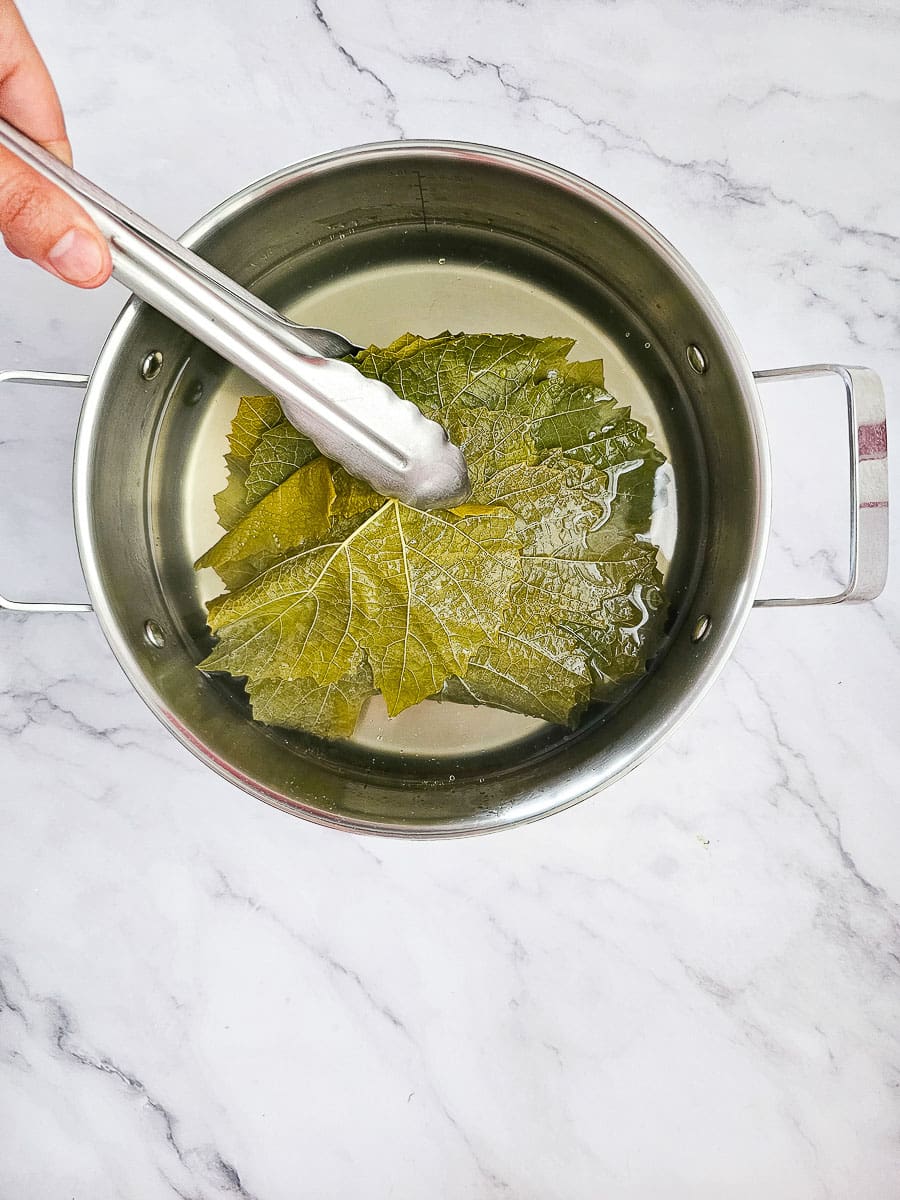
{"x": 574, "y": 563}
{"x": 544, "y": 399}
{"x": 295, "y": 515}
{"x": 485, "y": 370}
{"x": 540, "y": 673}
{"x": 413, "y": 593}
{"x": 587, "y": 424}
{"x": 539, "y": 596}
{"x": 328, "y": 709}
{"x": 280, "y": 451}
{"x": 255, "y": 415}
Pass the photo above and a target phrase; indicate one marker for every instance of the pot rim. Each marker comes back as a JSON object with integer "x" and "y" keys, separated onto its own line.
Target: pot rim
{"x": 508, "y": 159}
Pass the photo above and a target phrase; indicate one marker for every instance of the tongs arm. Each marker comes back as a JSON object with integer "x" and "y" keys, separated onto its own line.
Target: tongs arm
{"x": 359, "y": 422}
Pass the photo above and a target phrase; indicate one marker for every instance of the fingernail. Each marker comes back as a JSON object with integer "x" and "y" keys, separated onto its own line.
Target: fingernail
{"x": 77, "y": 257}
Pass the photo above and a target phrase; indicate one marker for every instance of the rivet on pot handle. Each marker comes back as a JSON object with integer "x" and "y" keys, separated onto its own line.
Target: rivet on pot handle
{"x": 868, "y": 482}
{"x": 45, "y": 379}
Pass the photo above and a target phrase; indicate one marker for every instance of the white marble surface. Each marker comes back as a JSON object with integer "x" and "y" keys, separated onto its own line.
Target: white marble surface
{"x": 688, "y": 988}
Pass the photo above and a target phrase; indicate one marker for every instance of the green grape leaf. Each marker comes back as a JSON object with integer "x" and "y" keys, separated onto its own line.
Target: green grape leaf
{"x": 540, "y": 596}
{"x": 279, "y": 452}
{"x": 579, "y": 571}
{"x": 555, "y": 404}
{"x": 327, "y": 709}
{"x": 255, "y": 415}
{"x": 293, "y": 516}
{"x": 413, "y": 593}
{"x": 540, "y": 673}
{"x": 484, "y": 369}
{"x": 579, "y": 417}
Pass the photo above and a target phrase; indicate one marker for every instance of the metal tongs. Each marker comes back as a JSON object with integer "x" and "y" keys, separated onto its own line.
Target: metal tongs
{"x": 359, "y": 422}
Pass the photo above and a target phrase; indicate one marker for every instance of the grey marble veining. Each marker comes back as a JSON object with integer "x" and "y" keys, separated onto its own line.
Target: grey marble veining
{"x": 689, "y": 987}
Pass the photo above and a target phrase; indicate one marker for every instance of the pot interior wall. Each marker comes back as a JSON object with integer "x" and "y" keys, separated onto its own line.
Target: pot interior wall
{"x": 377, "y": 244}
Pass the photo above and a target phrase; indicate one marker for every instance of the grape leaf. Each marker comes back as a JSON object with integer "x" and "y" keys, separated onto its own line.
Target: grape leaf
{"x": 578, "y": 416}
{"x": 317, "y": 501}
{"x": 483, "y": 369}
{"x": 446, "y": 376}
{"x": 328, "y": 709}
{"x": 554, "y": 403}
{"x": 615, "y": 643}
{"x": 295, "y": 515}
{"x": 414, "y": 593}
{"x": 540, "y": 596}
{"x": 577, "y": 570}
{"x": 255, "y": 415}
{"x": 541, "y": 673}
{"x": 279, "y": 452}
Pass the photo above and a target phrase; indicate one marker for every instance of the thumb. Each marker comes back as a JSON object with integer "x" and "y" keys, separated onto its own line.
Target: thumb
{"x": 38, "y": 221}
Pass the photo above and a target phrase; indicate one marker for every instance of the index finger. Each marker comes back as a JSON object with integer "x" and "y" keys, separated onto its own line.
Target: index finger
{"x": 37, "y": 220}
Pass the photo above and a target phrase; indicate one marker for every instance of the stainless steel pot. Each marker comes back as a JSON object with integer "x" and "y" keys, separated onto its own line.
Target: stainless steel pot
{"x": 422, "y": 235}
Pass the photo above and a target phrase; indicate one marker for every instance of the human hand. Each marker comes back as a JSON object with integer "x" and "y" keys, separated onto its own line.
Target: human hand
{"x": 37, "y": 220}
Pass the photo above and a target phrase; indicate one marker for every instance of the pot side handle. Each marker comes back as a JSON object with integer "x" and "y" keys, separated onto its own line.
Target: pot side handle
{"x": 868, "y": 482}
{"x": 45, "y": 379}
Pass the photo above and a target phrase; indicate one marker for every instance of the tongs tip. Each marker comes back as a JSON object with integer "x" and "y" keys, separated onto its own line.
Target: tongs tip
{"x": 443, "y": 484}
